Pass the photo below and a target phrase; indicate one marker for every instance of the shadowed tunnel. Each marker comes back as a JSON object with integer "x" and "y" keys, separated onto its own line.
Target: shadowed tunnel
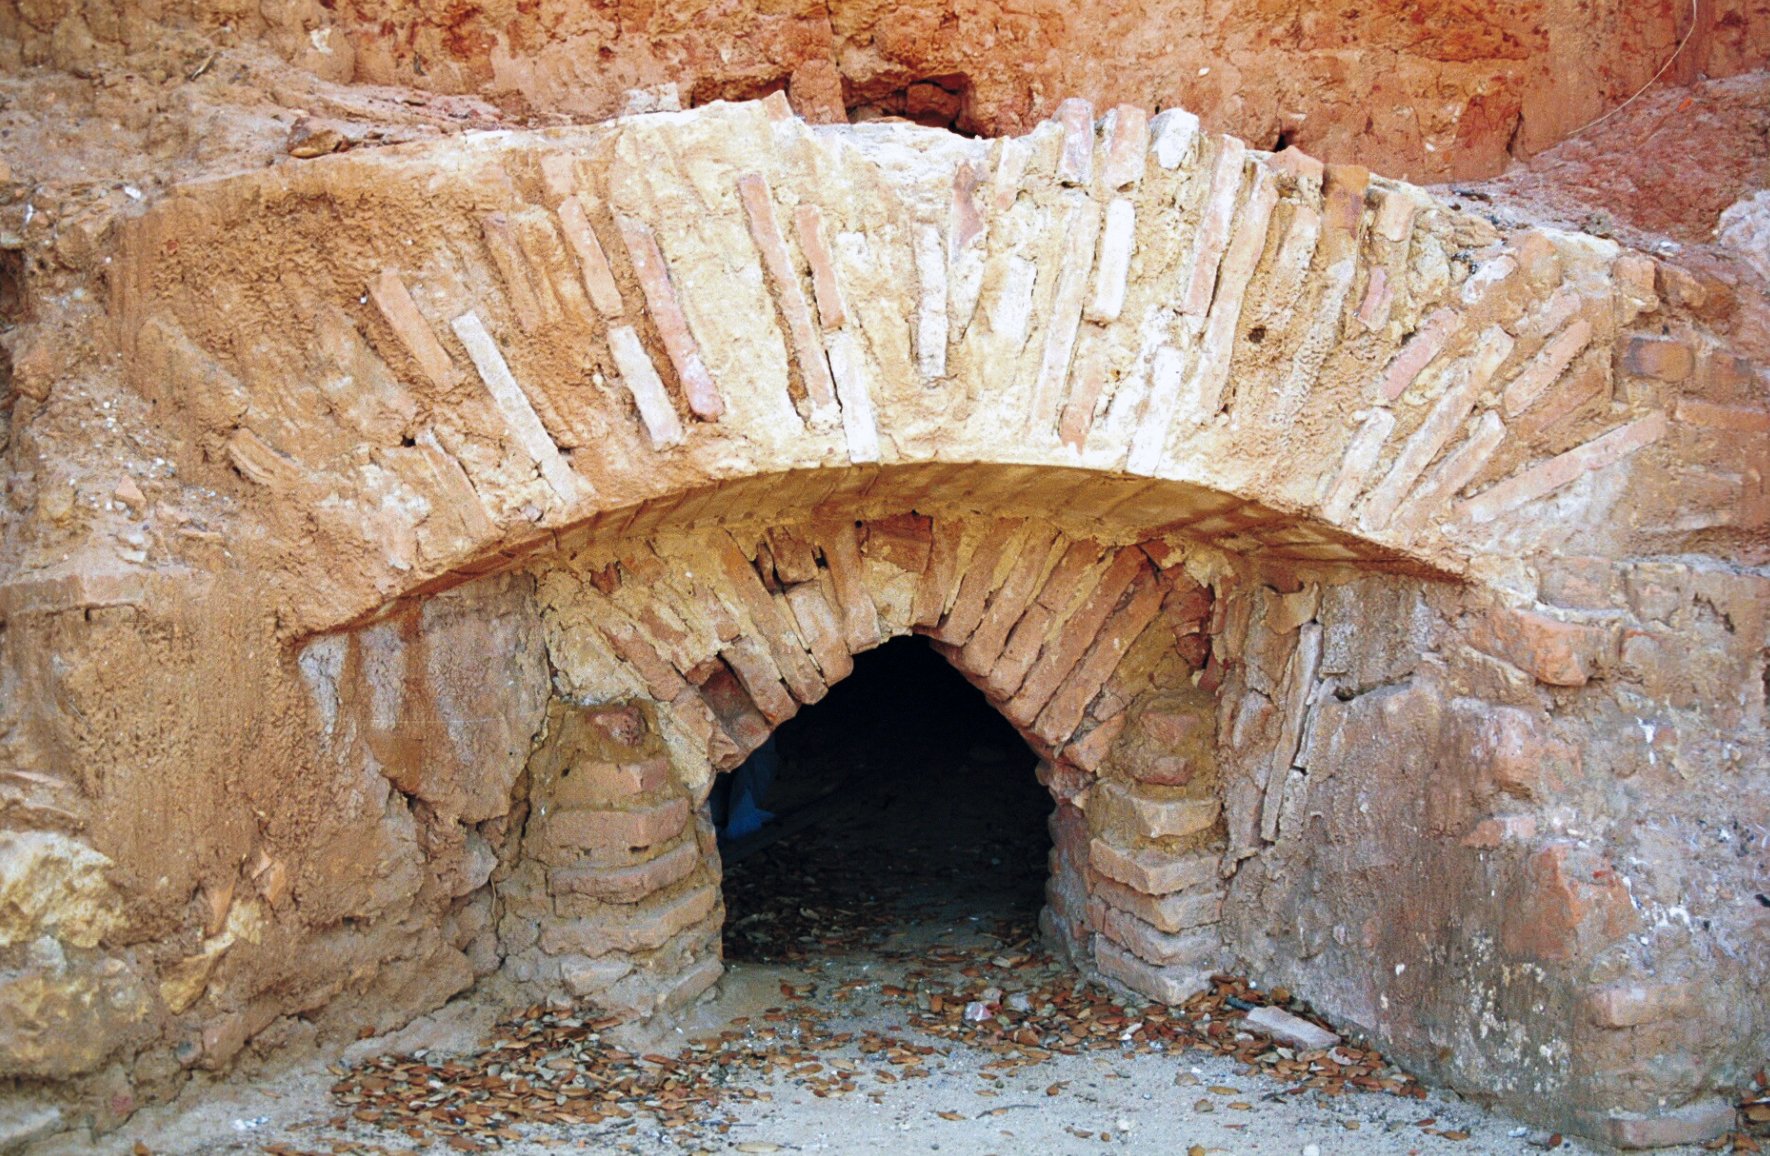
{"x": 906, "y": 808}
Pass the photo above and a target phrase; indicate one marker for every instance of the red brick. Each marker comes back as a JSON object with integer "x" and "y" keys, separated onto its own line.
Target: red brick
{"x": 1090, "y": 751}
{"x": 938, "y": 576}
{"x": 396, "y": 305}
{"x": 1118, "y": 807}
{"x": 832, "y": 311}
{"x": 821, "y": 631}
{"x": 1499, "y": 830}
{"x": 525, "y": 302}
{"x": 790, "y": 296}
{"x": 621, "y": 727}
{"x": 1588, "y": 381}
{"x": 1736, "y": 418}
{"x": 795, "y": 559}
{"x": 666, "y": 314}
{"x": 631, "y": 645}
{"x": 1426, "y": 343}
{"x": 595, "y": 782}
{"x": 599, "y": 280}
{"x": 1663, "y": 358}
{"x": 1343, "y": 188}
{"x": 902, "y": 540}
{"x": 761, "y": 678}
{"x": 1690, "y": 1124}
{"x": 641, "y": 828}
{"x": 1567, "y": 904}
{"x": 1063, "y": 713}
{"x": 696, "y": 717}
{"x": 1170, "y": 914}
{"x": 1553, "y": 652}
{"x": 978, "y": 582}
{"x": 1127, "y": 146}
{"x": 1628, "y": 1005}
{"x": 1161, "y": 770}
{"x": 733, "y": 708}
{"x": 1151, "y": 871}
{"x": 1009, "y": 602}
{"x": 1009, "y": 670}
{"x": 1508, "y": 747}
{"x": 627, "y": 884}
{"x": 1075, "y": 162}
{"x": 860, "y": 617}
{"x": 1062, "y": 653}
{"x": 784, "y": 645}
{"x": 1084, "y": 394}
{"x": 1197, "y": 944}
{"x": 1170, "y": 985}
{"x": 644, "y": 927}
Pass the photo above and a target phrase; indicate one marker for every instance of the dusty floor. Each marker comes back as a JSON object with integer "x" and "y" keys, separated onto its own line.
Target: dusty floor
{"x": 862, "y": 930}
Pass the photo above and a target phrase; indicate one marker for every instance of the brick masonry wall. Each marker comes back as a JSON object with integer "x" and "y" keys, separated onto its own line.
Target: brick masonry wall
{"x": 1398, "y": 564}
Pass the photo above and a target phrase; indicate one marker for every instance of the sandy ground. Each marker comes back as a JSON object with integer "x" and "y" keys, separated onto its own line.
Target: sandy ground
{"x": 1164, "y": 1104}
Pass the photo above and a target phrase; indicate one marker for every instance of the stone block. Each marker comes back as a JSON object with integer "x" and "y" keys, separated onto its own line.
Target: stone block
{"x": 1690, "y": 1124}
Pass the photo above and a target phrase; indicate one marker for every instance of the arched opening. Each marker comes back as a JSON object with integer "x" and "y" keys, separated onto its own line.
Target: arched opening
{"x": 905, "y": 813}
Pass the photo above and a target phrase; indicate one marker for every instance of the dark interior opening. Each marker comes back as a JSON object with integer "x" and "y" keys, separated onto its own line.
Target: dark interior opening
{"x": 934, "y": 101}
{"x": 12, "y": 288}
{"x": 904, "y": 807}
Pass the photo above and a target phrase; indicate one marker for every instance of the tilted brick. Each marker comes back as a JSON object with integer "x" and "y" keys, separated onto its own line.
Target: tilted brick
{"x": 1151, "y": 871}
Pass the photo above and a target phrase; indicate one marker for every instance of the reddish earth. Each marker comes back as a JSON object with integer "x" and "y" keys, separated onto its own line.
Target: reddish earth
{"x": 1422, "y": 89}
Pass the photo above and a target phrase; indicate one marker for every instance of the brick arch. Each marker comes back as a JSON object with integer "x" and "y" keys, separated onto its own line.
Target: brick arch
{"x": 1428, "y": 465}
{"x": 677, "y": 651}
{"x": 552, "y": 327}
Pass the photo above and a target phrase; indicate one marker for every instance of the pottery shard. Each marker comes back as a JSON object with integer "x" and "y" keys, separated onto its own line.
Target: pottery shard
{"x": 1286, "y": 1028}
